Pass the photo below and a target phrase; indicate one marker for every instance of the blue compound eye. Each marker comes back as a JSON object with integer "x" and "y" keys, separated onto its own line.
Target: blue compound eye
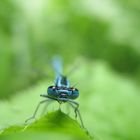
{"x": 52, "y": 91}
{"x": 75, "y": 93}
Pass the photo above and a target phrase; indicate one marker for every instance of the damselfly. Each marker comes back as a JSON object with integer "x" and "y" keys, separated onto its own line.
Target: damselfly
{"x": 61, "y": 91}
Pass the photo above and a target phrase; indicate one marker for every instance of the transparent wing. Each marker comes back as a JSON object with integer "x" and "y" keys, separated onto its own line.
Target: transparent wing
{"x": 57, "y": 65}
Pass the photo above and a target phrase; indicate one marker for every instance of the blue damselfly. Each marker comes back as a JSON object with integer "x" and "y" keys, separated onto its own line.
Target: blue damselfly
{"x": 61, "y": 91}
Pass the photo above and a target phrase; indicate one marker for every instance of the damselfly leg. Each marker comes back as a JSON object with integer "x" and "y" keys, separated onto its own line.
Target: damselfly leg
{"x": 37, "y": 108}
{"x": 75, "y": 106}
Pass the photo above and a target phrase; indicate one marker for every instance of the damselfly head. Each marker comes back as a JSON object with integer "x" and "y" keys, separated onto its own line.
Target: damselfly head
{"x": 62, "y": 92}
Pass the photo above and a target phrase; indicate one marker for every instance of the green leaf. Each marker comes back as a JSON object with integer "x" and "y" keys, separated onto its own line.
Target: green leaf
{"x": 53, "y": 123}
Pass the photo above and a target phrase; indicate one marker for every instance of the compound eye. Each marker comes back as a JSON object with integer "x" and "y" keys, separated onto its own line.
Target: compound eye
{"x": 52, "y": 91}
{"x": 75, "y": 93}
{"x": 74, "y": 89}
{"x": 52, "y": 87}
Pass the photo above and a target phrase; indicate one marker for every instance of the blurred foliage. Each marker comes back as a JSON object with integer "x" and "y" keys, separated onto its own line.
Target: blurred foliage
{"x": 35, "y": 31}
{"x": 104, "y": 33}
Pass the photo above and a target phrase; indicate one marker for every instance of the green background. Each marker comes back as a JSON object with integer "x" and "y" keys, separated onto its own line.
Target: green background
{"x": 99, "y": 40}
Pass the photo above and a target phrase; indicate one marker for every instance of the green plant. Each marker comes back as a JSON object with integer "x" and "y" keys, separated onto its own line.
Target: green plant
{"x": 53, "y": 123}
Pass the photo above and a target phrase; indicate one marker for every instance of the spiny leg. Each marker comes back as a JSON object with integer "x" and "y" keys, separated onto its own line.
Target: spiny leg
{"x": 34, "y": 114}
{"x": 45, "y": 107}
{"x": 72, "y": 103}
{"x": 75, "y": 108}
